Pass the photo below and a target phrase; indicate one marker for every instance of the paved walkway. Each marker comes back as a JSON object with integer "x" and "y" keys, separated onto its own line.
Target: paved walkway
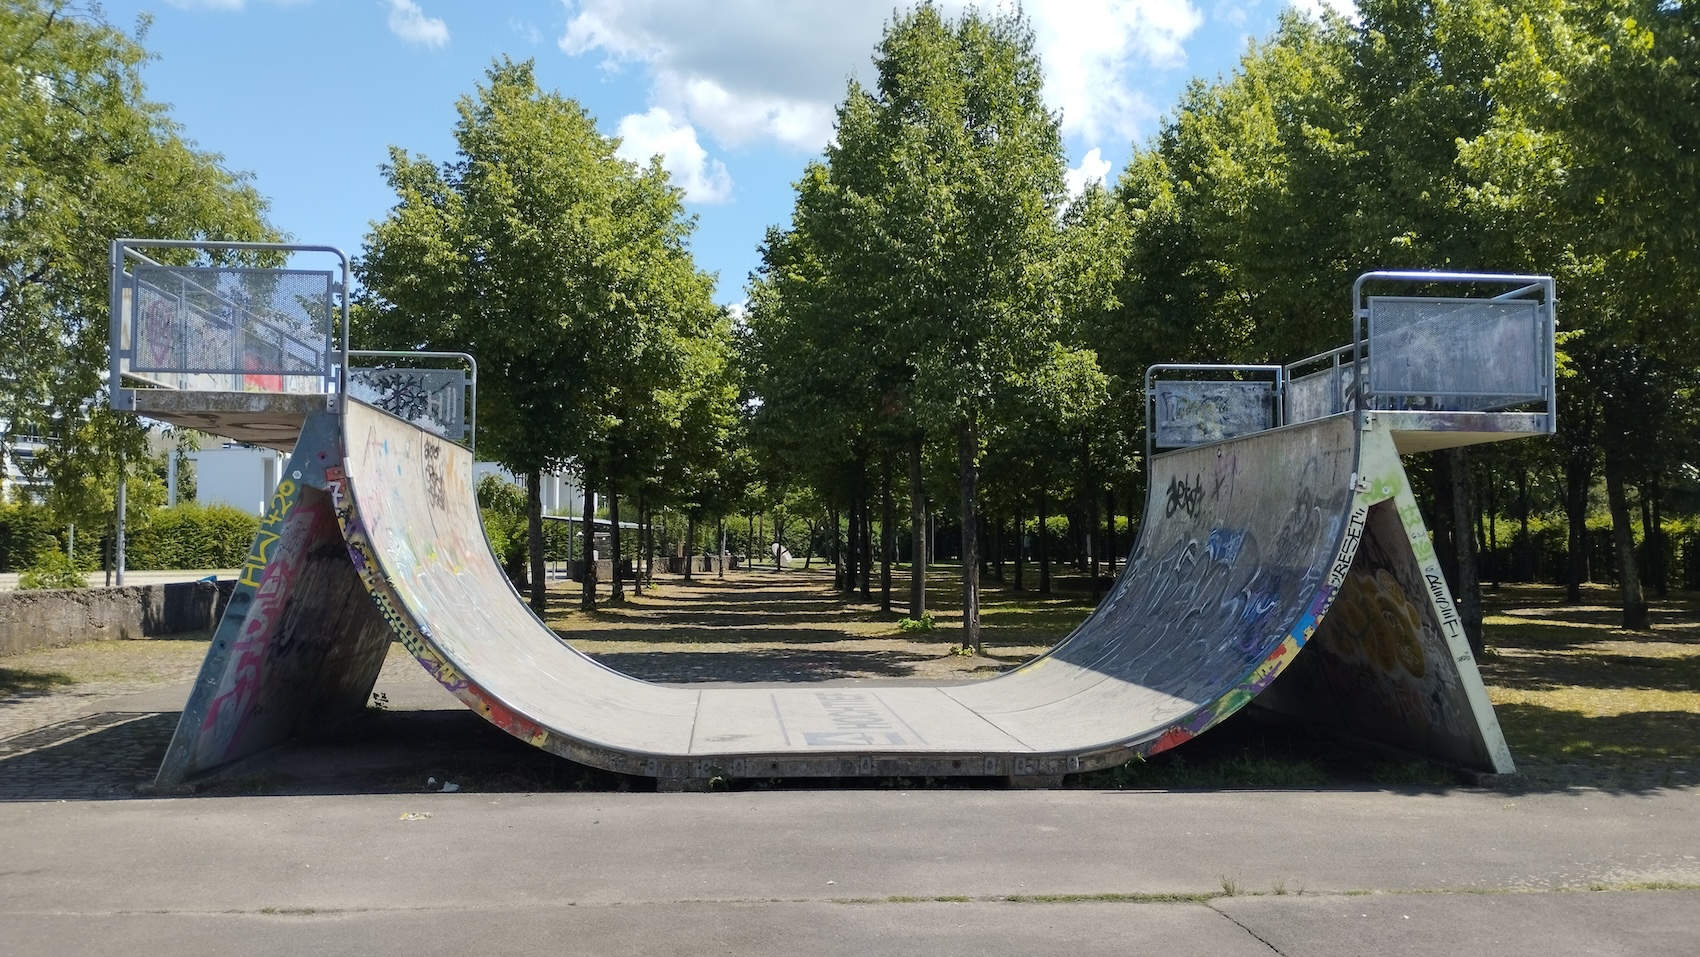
{"x": 9, "y": 580}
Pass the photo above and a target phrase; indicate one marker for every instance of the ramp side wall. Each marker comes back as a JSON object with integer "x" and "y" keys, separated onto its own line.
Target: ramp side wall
{"x": 300, "y": 644}
{"x": 1391, "y": 664}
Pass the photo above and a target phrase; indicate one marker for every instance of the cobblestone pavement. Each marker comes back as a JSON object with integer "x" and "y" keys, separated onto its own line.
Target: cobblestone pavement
{"x": 71, "y": 729}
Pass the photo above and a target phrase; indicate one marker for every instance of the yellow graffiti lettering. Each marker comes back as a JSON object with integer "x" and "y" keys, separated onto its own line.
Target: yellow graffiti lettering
{"x": 259, "y": 557}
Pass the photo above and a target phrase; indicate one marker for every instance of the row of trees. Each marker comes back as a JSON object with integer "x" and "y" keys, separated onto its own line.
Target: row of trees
{"x": 932, "y": 290}
{"x": 1555, "y": 136}
{"x": 564, "y": 269}
{"x": 940, "y": 321}
{"x": 934, "y": 287}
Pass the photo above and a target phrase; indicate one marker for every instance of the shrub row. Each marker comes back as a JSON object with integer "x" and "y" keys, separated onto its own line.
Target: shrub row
{"x": 182, "y": 536}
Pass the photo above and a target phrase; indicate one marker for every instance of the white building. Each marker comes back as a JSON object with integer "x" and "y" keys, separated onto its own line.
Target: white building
{"x": 242, "y": 476}
{"x": 13, "y": 481}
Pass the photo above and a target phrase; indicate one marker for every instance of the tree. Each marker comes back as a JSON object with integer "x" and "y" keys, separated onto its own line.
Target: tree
{"x": 87, "y": 158}
{"x": 561, "y": 267}
{"x": 923, "y": 248}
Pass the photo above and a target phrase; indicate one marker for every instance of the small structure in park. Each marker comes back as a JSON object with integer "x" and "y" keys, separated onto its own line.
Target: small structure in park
{"x": 1279, "y": 521}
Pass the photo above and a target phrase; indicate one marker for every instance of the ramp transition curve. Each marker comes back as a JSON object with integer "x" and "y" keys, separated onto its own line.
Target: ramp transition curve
{"x": 1304, "y": 538}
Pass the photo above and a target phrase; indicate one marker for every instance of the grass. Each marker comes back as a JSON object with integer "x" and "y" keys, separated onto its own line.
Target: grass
{"x": 137, "y": 660}
{"x": 25, "y": 681}
{"x": 1584, "y": 701}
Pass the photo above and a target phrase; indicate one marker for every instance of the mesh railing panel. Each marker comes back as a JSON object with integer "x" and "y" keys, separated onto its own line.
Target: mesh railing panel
{"x": 1192, "y": 412}
{"x": 238, "y": 329}
{"x": 433, "y": 399}
{"x": 1456, "y": 354}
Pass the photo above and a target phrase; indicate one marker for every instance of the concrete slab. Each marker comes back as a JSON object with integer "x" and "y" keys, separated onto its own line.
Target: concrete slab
{"x": 379, "y": 851}
{"x": 1643, "y": 923}
{"x": 754, "y": 928}
{"x": 859, "y": 872}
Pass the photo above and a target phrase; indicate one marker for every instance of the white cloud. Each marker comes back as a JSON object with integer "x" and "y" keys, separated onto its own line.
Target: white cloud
{"x": 1093, "y": 168}
{"x": 1088, "y": 48}
{"x": 745, "y": 71}
{"x": 411, "y": 24}
{"x": 525, "y": 30}
{"x": 643, "y": 135}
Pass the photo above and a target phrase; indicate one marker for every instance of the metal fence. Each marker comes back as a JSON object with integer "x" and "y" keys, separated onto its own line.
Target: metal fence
{"x": 225, "y": 328}
{"x": 1449, "y": 353}
{"x": 1194, "y": 411}
{"x": 438, "y": 400}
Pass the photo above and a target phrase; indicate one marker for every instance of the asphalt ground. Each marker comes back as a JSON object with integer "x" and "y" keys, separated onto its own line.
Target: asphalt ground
{"x": 354, "y": 843}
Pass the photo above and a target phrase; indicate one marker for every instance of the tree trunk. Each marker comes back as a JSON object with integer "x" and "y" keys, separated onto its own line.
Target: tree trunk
{"x": 616, "y": 585}
{"x": 720, "y": 548}
{"x": 917, "y": 533}
{"x": 640, "y": 569}
{"x": 1020, "y": 546}
{"x": 1525, "y": 566}
{"x": 1653, "y": 539}
{"x": 867, "y": 544}
{"x": 852, "y": 540}
{"x": 888, "y": 518}
{"x": 1110, "y": 554}
{"x": 1455, "y": 539}
{"x": 837, "y": 554}
{"x": 1044, "y": 545}
{"x": 534, "y": 539}
{"x": 587, "y": 595}
{"x": 968, "y": 477}
{"x": 1491, "y": 513}
{"x": 1469, "y": 585}
{"x": 1578, "y": 476}
{"x": 690, "y": 548}
{"x": 1091, "y": 533}
{"x": 1623, "y": 537}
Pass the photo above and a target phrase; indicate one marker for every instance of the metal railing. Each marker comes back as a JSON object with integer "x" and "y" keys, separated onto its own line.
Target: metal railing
{"x": 442, "y": 401}
{"x": 1454, "y": 353}
{"x": 1409, "y": 353}
{"x": 1180, "y": 413}
{"x": 225, "y": 328}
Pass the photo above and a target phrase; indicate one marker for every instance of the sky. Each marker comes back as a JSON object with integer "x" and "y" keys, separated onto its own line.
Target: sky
{"x": 307, "y": 96}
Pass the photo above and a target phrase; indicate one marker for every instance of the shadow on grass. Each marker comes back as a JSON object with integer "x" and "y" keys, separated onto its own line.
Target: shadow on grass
{"x": 1599, "y": 670}
{"x": 17, "y": 683}
{"x": 1629, "y": 752}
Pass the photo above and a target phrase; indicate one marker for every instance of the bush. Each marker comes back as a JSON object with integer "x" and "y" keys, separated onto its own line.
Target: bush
{"x": 26, "y": 536}
{"x": 53, "y": 571}
{"x": 192, "y": 535}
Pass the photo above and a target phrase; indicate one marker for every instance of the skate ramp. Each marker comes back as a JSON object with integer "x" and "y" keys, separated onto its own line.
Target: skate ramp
{"x": 1242, "y": 548}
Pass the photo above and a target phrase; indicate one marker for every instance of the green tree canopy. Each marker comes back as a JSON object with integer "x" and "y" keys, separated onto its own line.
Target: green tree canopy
{"x": 86, "y": 157}
{"x": 564, "y": 270}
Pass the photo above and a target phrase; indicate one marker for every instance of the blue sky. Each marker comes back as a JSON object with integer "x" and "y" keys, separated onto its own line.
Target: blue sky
{"x": 737, "y": 95}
